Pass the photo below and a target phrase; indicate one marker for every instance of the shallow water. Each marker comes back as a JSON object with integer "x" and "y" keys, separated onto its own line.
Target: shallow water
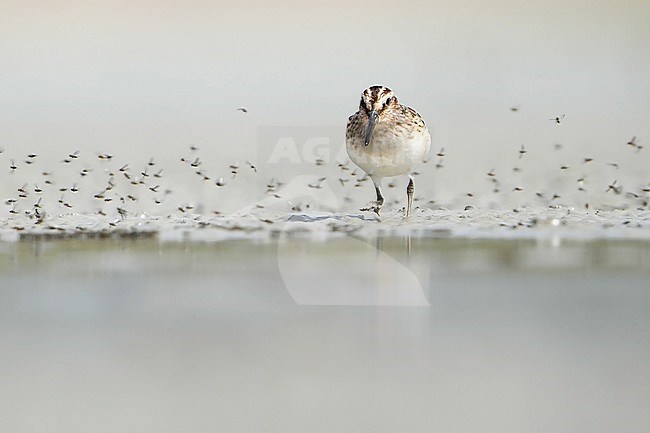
{"x": 346, "y": 334}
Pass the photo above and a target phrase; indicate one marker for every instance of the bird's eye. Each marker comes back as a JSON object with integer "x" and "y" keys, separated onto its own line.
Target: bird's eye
{"x": 389, "y": 101}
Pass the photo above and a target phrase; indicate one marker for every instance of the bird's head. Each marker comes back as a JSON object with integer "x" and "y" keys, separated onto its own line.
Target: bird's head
{"x": 376, "y": 102}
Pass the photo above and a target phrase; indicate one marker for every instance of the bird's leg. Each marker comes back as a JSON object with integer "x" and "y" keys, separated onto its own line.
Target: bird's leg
{"x": 375, "y": 206}
{"x": 409, "y": 197}
{"x": 380, "y": 198}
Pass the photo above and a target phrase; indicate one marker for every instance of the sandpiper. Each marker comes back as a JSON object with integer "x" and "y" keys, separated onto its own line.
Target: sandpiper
{"x": 385, "y": 139}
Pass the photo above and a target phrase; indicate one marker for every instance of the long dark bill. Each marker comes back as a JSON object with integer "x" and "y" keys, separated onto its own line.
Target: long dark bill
{"x": 373, "y": 117}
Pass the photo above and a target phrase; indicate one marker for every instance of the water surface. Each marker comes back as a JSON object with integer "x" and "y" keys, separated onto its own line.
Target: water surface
{"x": 383, "y": 335}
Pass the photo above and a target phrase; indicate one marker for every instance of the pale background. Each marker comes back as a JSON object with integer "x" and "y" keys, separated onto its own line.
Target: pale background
{"x": 142, "y": 79}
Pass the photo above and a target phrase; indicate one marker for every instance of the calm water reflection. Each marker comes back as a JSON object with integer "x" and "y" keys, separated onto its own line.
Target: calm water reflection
{"x": 333, "y": 336}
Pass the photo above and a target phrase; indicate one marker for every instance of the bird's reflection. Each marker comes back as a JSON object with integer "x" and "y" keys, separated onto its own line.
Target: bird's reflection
{"x": 350, "y": 271}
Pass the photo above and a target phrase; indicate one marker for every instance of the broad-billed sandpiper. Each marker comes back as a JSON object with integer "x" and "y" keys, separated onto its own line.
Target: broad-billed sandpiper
{"x": 385, "y": 139}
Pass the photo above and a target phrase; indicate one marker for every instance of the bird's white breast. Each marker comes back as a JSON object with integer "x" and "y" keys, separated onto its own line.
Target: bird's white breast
{"x": 391, "y": 152}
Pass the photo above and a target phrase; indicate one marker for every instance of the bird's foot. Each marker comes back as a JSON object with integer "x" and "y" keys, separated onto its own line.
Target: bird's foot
{"x": 407, "y": 213}
{"x": 372, "y": 206}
